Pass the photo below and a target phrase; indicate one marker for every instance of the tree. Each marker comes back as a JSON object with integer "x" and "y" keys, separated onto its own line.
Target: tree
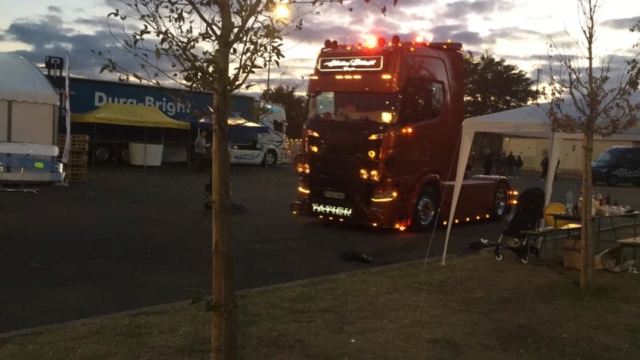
{"x": 491, "y": 86}
{"x": 210, "y": 45}
{"x": 294, "y": 104}
{"x": 603, "y": 104}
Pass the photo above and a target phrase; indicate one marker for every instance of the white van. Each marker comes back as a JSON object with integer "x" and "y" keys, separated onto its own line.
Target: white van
{"x": 263, "y": 143}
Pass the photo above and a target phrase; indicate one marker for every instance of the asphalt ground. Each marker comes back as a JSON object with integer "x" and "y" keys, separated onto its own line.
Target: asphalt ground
{"x": 134, "y": 237}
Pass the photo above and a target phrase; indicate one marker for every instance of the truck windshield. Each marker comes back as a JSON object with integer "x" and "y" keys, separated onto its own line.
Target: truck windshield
{"x": 341, "y": 106}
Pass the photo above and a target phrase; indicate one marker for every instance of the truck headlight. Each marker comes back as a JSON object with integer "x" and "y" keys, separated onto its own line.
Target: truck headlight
{"x": 301, "y": 165}
{"x": 373, "y": 175}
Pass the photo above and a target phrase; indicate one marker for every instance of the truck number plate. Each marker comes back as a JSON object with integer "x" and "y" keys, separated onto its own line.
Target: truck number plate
{"x": 334, "y": 194}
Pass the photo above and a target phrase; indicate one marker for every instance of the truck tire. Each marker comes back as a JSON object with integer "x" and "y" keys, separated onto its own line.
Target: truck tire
{"x": 270, "y": 158}
{"x": 102, "y": 153}
{"x": 500, "y": 201}
{"x": 425, "y": 210}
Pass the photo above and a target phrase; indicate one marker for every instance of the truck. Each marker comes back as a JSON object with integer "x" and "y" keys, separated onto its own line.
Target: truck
{"x": 262, "y": 143}
{"x": 381, "y": 140}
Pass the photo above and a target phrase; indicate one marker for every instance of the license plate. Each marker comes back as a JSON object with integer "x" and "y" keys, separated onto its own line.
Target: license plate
{"x": 334, "y": 195}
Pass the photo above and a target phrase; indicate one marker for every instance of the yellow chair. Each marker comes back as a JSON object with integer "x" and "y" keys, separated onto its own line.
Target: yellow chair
{"x": 554, "y": 208}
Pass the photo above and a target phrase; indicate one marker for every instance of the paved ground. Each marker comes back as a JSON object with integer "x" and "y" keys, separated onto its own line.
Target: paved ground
{"x": 133, "y": 237}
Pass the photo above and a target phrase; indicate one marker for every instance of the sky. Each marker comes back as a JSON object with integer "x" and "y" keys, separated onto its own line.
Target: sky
{"x": 520, "y": 31}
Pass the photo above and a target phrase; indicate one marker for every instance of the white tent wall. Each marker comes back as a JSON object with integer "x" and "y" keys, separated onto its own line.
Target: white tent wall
{"x": 4, "y": 120}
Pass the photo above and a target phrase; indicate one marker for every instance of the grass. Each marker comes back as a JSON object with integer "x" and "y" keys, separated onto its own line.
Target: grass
{"x": 473, "y": 308}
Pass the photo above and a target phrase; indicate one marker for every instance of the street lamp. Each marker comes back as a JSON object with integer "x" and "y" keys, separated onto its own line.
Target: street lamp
{"x": 280, "y": 12}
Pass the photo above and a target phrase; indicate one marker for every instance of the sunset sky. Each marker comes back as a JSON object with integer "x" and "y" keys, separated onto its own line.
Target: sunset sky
{"x": 517, "y": 30}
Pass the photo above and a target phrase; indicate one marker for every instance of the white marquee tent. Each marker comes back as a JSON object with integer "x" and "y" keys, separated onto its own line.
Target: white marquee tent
{"x": 530, "y": 121}
{"x": 28, "y": 102}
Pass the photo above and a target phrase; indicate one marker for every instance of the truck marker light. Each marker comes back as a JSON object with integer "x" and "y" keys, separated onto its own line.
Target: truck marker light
{"x": 313, "y": 77}
{"x": 372, "y": 154}
{"x": 402, "y": 228}
{"x": 386, "y": 117}
{"x": 467, "y": 219}
{"x": 407, "y": 130}
{"x": 364, "y": 174}
{"x": 312, "y": 133}
{"x": 313, "y": 148}
{"x": 341, "y": 219}
{"x": 330, "y": 218}
{"x": 348, "y": 77}
{"x": 456, "y": 221}
{"x": 294, "y": 212}
{"x": 514, "y": 202}
{"x": 376, "y": 136}
{"x": 386, "y": 76}
{"x": 487, "y": 216}
{"x": 444, "y": 223}
{"x": 303, "y": 190}
{"x": 357, "y": 77}
{"x": 340, "y": 77}
{"x": 477, "y": 217}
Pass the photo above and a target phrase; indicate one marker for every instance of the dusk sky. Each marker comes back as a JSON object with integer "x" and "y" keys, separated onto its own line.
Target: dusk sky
{"x": 517, "y": 30}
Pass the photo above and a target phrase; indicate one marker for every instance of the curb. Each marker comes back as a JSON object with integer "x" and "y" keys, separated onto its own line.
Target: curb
{"x": 156, "y": 308}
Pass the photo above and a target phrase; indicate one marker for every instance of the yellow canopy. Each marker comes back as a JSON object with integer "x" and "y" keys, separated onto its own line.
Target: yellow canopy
{"x": 131, "y": 115}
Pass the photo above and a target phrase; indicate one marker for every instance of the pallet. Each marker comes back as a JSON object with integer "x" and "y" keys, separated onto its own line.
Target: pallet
{"x": 79, "y": 143}
{"x": 77, "y": 176}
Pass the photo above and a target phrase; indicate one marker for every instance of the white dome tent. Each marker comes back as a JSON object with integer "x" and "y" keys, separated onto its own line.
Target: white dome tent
{"x": 28, "y": 103}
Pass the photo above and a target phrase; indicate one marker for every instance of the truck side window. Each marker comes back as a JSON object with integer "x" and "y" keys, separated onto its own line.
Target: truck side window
{"x": 423, "y": 100}
{"x": 277, "y": 126}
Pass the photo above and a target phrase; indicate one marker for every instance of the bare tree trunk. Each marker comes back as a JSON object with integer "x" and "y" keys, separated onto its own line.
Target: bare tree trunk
{"x": 587, "y": 272}
{"x": 224, "y": 323}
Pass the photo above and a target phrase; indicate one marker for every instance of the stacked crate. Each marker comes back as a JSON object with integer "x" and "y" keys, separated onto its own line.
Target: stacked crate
{"x": 76, "y": 168}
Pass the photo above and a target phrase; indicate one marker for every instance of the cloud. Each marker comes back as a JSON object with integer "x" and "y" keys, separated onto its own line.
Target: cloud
{"x": 463, "y": 9}
{"x": 621, "y": 24}
{"x": 55, "y": 9}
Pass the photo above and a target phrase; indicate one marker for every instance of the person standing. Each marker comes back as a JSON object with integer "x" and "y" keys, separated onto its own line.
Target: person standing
{"x": 487, "y": 163}
{"x": 518, "y": 166}
{"x": 200, "y": 149}
{"x": 545, "y": 167}
{"x": 511, "y": 164}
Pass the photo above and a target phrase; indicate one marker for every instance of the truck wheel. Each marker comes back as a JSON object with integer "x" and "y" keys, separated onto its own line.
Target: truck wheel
{"x": 124, "y": 155}
{"x": 102, "y": 153}
{"x": 500, "y": 201}
{"x": 425, "y": 210}
{"x": 270, "y": 158}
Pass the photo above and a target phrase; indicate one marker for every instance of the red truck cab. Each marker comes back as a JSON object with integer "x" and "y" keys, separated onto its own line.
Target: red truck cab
{"x": 382, "y": 135}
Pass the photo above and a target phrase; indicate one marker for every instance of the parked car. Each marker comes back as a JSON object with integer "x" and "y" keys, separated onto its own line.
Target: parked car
{"x": 618, "y": 164}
